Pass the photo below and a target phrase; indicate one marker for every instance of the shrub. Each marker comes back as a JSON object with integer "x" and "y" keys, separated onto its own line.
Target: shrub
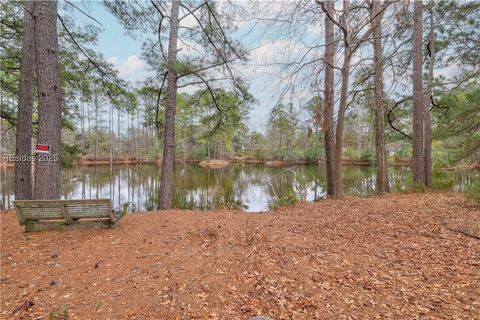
{"x": 350, "y": 153}
{"x": 404, "y": 151}
{"x": 472, "y": 192}
{"x": 180, "y": 201}
{"x": 313, "y": 153}
{"x": 69, "y": 155}
{"x": 287, "y": 198}
{"x": 198, "y": 152}
{"x": 60, "y": 314}
{"x": 289, "y": 155}
{"x": 368, "y": 155}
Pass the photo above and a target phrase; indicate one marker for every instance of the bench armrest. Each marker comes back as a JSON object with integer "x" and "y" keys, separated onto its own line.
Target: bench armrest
{"x": 18, "y": 211}
{"x": 121, "y": 210}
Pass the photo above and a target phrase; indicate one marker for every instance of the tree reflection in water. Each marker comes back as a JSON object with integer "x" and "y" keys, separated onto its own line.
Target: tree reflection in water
{"x": 247, "y": 187}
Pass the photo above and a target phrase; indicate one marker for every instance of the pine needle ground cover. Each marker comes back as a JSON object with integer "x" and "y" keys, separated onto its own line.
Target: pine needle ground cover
{"x": 398, "y": 256}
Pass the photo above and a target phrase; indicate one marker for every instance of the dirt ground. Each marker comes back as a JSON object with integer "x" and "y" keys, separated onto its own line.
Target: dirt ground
{"x": 403, "y": 256}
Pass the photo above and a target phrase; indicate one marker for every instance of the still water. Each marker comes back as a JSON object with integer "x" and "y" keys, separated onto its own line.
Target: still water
{"x": 249, "y": 187}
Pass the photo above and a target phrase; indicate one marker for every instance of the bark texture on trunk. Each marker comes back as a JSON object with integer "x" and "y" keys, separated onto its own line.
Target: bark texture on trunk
{"x": 97, "y": 142}
{"x": 47, "y": 172}
{"x": 328, "y": 132}
{"x": 23, "y": 144}
{"x": 427, "y": 149}
{"x": 349, "y": 49}
{"x": 418, "y": 166}
{"x": 166, "y": 180}
{"x": 342, "y": 105}
{"x": 340, "y": 124}
{"x": 378, "y": 103}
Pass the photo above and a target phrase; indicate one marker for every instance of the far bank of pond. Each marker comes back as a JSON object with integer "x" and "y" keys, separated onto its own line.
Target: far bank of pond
{"x": 251, "y": 187}
{"x": 86, "y": 161}
{"x": 234, "y": 160}
{"x": 218, "y": 163}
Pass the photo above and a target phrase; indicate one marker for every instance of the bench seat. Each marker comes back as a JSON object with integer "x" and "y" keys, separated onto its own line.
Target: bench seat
{"x": 39, "y": 215}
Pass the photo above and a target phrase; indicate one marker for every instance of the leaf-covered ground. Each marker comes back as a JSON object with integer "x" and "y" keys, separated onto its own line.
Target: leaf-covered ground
{"x": 408, "y": 256}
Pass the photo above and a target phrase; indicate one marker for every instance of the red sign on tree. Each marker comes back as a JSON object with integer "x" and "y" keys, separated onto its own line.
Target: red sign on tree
{"x": 42, "y": 148}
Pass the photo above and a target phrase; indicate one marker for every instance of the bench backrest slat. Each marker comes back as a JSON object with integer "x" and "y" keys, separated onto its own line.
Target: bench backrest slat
{"x": 63, "y": 209}
{"x": 59, "y": 202}
{"x": 89, "y": 210}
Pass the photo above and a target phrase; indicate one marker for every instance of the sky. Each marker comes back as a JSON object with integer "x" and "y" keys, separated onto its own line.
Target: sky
{"x": 124, "y": 53}
{"x": 267, "y": 71}
{"x": 114, "y": 44}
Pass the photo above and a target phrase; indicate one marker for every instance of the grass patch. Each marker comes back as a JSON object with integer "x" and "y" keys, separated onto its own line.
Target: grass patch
{"x": 472, "y": 192}
{"x": 60, "y": 314}
{"x": 286, "y": 199}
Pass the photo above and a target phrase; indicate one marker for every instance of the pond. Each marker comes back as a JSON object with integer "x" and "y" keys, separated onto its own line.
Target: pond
{"x": 249, "y": 187}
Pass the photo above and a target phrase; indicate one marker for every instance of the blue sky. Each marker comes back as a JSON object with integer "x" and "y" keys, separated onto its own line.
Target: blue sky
{"x": 113, "y": 41}
{"x": 124, "y": 53}
{"x": 260, "y": 71}
{"x": 265, "y": 72}
{"x": 115, "y": 45}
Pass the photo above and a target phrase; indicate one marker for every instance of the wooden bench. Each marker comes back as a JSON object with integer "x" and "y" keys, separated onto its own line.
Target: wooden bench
{"x": 39, "y": 215}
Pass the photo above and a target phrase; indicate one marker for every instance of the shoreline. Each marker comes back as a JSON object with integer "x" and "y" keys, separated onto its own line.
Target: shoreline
{"x": 214, "y": 163}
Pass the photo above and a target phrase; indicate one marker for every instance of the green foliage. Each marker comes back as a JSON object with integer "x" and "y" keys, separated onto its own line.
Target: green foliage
{"x": 443, "y": 179}
{"x": 98, "y": 305}
{"x": 283, "y": 129}
{"x": 416, "y": 188}
{"x": 60, "y": 314}
{"x": 314, "y": 153}
{"x": 402, "y": 150}
{"x": 351, "y": 153}
{"x": 472, "y": 192}
{"x": 443, "y": 156}
{"x": 211, "y": 124}
{"x": 69, "y": 155}
{"x": 458, "y": 124}
{"x": 82, "y": 70}
{"x": 180, "y": 200}
{"x": 291, "y": 155}
{"x": 285, "y": 199}
{"x": 198, "y": 151}
{"x": 367, "y": 155}
{"x": 184, "y": 67}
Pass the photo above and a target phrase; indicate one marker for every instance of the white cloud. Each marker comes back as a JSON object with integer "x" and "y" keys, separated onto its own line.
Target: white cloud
{"x": 131, "y": 69}
{"x": 188, "y": 22}
{"x": 113, "y": 60}
{"x": 276, "y": 51}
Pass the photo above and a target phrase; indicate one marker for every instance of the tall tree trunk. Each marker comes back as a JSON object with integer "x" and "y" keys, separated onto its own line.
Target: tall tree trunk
{"x": 23, "y": 145}
{"x": 184, "y": 142}
{"x": 378, "y": 102}
{"x": 418, "y": 166}
{"x": 337, "y": 171}
{"x": 89, "y": 131}
{"x": 340, "y": 124}
{"x": 118, "y": 135}
{"x": 47, "y": 173}
{"x": 110, "y": 127}
{"x": 128, "y": 135}
{"x": 166, "y": 180}
{"x": 96, "y": 125}
{"x": 328, "y": 132}
{"x": 349, "y": 50}
{"x": 137, "y": 136}
{"x": 427, "y": 149}
{"x": 83, "y": 124}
